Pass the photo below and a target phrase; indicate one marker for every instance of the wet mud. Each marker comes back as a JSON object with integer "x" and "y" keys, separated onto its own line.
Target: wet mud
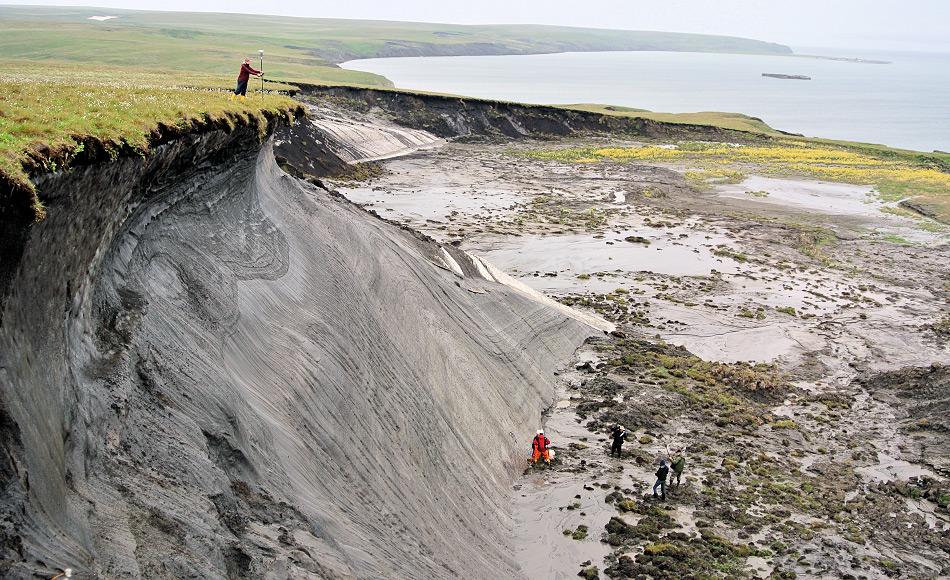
{"x": 789, "y": 344}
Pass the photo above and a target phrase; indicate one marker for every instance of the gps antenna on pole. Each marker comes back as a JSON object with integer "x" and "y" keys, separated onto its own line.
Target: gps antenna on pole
{"x": 260, "y": 53}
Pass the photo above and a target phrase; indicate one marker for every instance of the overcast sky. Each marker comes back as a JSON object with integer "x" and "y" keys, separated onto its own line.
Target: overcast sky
{"x": 885, "y": 24}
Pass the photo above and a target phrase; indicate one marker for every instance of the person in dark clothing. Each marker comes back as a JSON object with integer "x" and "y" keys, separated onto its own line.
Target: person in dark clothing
{"x": 246, "y": 71}
{"x": 661, "y": 474}
{"x": 619, "y": 435}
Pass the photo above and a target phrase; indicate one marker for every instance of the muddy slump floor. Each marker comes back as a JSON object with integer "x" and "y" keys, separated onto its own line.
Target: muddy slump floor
{"x": 790, "y": 335}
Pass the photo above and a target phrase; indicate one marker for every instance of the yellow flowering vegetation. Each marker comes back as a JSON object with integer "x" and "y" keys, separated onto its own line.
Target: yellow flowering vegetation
{"x": 48, "y": 110}
{"x": 591, "y": 155}
{"x": 895, "y": 175}
{"x": 648, "y": 153}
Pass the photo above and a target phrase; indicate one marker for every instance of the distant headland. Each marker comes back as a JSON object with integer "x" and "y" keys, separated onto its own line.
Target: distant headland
{"x": 788, "y": 77}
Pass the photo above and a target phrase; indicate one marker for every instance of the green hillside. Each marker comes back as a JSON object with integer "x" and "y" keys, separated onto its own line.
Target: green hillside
{"x": 302, "y": 49}
{"x": 734, "y": 121}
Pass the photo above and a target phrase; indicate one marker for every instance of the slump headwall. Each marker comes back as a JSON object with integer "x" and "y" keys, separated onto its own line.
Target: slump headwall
{"x": 450, "y": 116}
{"x": 210, "y": 368}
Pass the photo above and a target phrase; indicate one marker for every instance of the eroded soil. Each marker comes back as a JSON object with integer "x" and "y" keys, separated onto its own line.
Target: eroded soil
{"x": 788, "y": 335}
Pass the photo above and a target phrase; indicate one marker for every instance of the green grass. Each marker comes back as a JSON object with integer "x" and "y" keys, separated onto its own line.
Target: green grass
{"x": 733, "y": 121}
{"x": 895, "y": 239}
{"x": 812, "y": 242}
{"x": 48, "y": 112}
{"x": 302, "y": 49}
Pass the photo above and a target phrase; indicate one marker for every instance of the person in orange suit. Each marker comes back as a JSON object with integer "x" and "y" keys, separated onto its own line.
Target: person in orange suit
{"x": 539, "y": 448}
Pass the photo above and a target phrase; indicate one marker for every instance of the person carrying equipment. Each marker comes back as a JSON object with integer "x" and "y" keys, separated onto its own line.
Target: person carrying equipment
{"x": 661, "y": 474}
{"x": 539, "y": 447}
{"x": 246, "y": 71}
{"x": 619, "y": 435}
{"x": 678, "y": 465}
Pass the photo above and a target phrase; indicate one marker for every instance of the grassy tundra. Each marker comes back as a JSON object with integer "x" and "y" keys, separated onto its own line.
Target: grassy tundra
{"x": 303, "y": 49}
{"x": 48, "y": 111}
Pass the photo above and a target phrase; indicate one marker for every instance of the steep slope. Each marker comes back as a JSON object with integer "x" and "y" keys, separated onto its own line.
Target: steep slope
{"x": 328, "y": 143}
{"x": 357, "y": 141}
{"x": 210, "y": 368}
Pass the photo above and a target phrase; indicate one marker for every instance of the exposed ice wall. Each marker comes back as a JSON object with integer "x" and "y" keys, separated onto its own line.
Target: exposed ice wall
{"x": 249, "y": 376}
{"x": 356, "y": 140}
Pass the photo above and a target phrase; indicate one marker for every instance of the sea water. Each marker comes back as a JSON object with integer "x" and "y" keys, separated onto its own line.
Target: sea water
{"x": 903, "y": 104}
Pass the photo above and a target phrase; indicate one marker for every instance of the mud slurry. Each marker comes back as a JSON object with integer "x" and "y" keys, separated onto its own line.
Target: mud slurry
{"x": 747, "y": 432}
{"x": 795, "y": 350}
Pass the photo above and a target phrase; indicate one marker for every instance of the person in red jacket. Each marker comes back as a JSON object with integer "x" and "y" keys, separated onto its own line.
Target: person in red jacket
{"x": 539, "y": 448}
{"x": 246, "y": 71}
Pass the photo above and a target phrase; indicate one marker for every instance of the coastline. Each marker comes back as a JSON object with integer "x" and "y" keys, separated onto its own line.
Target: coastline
{"x": 695, "y": 82}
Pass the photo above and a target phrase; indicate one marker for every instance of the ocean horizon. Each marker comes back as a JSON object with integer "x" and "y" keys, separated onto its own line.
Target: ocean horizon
{"x": 902, "y": 104}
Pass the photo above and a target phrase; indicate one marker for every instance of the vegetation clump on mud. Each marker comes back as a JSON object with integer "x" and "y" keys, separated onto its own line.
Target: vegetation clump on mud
{"x": 673, "y": 365}
{"x": 549, "y": 210}
{"x": 617, "y": 306}
{"x": 813, "y": 242}
{"x": 942, "y": 327}
{"x": 678, "y": 555}
{"x": 648, "y": 528}
{"x": 589, "y": 573}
